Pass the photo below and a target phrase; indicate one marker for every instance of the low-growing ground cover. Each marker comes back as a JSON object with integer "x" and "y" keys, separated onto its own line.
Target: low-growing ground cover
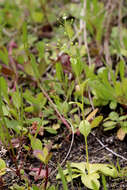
{"x": 63, "y": 95}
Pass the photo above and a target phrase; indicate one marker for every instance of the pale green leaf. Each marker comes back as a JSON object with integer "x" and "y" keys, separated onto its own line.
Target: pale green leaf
{"x": 81, "y": 166}
{"x": 2, "y": 167}
{"x": 85, "y": 128}
{"x": 37, "y": 16}
{"x": 114, "y": 116}
{"x": 16, "y": 99}
{"x": 109, "y": 124}
{"x": 88, "y": 180}
{"x": 36, "y": 144}
{"x": 96, "y": 121}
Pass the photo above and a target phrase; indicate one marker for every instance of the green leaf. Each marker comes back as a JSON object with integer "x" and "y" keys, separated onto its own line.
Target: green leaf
{"x": 124, "y": 117}
{"x": 2, "y": 167}
{"x": 41, "y": 49}
{"x": 14, "y": 113}
{"x": 124, "y": 126}
{"x": 113, "y": 105}
{"x": 16, "y": 99}
{"x": 59, "y": 72}
{"x": 43, "y": 155}
{"x": 77, "y": 66}
{"x": 17, "y": 187}
{"x": 74, "y": 9}
{"x": 4, "y": 89}
{"x": 37, "y": 16}
{"x": 103, "y": 91}
{"x": 124, "y": 88}
{"x": 88, "y": 180}
{"x": 74, "y": 176}
{"x": 96, "y": 121}
{"x": 122, "y": 69}
{"x": 34, "y": 66}
{"x": 118, "y": 90}
{"x": 85, "y": 128}
{"x": 13, "y": 124}
{"x": 114, "y": 116}
{"x": 104, "y": 182}
{"x": 108, "y": 170}
{"x": 25, "y": 36}
{"x": 42, "y": 67}
{"x": 4, "y": 56}
{"x": 62, "y": 178}
{"x": 81, "y": 166}
{"x": 51, "y": 188}
{"x": 36, "y": 144}
{"x": 109, "y": 123}
{"x": 51, "y": 130}
{"x": 78, "y": 104}
{"x": 29, "y": 97}
{"x": 34, "y": 187}
{"x": 5, "y": 110}
{"x": 28, "y": 68}
{"x": 68, "y": 29}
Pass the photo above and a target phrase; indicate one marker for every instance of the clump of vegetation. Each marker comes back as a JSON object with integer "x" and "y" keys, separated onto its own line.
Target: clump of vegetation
{"x": 62, "y": 79}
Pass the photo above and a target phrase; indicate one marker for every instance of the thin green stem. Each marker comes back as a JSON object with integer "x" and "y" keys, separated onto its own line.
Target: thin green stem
{"x": 87, "y": 157}
{"x": 81, "y": 88}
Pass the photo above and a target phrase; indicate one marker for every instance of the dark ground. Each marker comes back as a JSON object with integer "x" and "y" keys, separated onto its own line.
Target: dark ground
{"x": 97, "y": 154}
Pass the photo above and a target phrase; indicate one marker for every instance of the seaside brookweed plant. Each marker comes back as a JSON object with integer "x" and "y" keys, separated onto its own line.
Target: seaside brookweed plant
{"x": 89, "y": 173}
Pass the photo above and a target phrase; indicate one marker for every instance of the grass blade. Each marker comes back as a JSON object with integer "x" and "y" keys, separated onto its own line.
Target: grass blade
{"x": 62, "y": 178}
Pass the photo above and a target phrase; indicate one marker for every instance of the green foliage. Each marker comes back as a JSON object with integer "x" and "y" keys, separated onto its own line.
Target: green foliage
{"x": 16, "y": 98}
{"x": 114, "y": 120}
{"x": 62, "y": 176}
{"x": 43, "y": 154}
{"x": 37, "y": 16}
{"x": 104, "y": 182}
{"x": 59, "y": 72}
{"x": 52, "y": 188}
{"x": 105, "y": 90}
{"x": 35, "y": 61}
{"x": 95, "y": 19}
{"x": 16, "y": 126}
{"x": 36, "y": 144}
{"x": 4, "y": 56}
{"x": 34, "y": 67}
{"x": 17, "y": 187}
{"x": 4, "y": 89}
{"x": 96, "y": 121}
{"x": 68, "y": 29}
{"x": 2, "y": 167}
{"x": 85, "y": 128}
{"x": 79, "y": 170}
{"x": 77, "y": 66}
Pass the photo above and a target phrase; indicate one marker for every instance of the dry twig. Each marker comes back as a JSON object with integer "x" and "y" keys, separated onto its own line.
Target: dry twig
{"x": 108, "y": 149}
{"x": 120, "y": 23}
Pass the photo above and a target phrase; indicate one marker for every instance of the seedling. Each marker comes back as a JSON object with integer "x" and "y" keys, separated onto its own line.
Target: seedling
{"x": 81, "y": 170}
{"x": 43, "y": 154}
{"x": 89, "y": 173}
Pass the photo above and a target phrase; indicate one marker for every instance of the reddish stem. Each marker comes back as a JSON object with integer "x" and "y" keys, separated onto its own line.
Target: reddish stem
{"x": 54, "y": 106}
{"x": 1, "y": 183}
{"x": 46, "y": 177}
{"x": 39, "y": 171}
